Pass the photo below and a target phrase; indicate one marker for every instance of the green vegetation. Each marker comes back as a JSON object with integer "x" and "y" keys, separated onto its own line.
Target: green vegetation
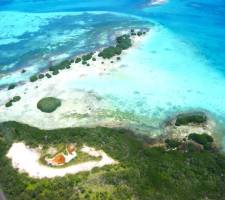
{"x": 84, "y": 63}
{"x": 55, "y": 72}
{"x": 142, "y": 173}
{"x": 203, "y": 139}
{"x": 139, "y": 33}
{"x": 13, "y": 100}
{"x": 109, "y": 52}
{"x": 23, "y": 71}
{"x": 8, "y": 104}
{"x": 77, "y": 60}
{"x": 122, "y": 42}
{"x": 93, "y": 59}
{"x": 48, "y": 75}
{"x": 172, "y": 143}
{"x": 12, "y": 86}
{"x": 48, "y": 104}
{"x": 41, "y": 76}
{"x": 61, "y": 66}
{"x": 16, "y": 98}
{"x": 33, "y": 78}
{"x": 87, "y": 57}
{"x": 187, "y": 118}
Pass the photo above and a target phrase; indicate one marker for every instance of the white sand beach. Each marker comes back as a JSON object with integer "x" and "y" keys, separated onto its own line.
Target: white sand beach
{"x": 26, "y": 160}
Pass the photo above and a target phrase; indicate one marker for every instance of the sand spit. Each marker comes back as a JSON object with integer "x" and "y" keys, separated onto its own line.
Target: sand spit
{"x": 79, "y": 107}
{"x": 26, "y": 160}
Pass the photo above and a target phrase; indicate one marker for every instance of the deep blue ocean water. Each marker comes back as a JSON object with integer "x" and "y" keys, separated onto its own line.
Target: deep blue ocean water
{"x": 181, "y": 66}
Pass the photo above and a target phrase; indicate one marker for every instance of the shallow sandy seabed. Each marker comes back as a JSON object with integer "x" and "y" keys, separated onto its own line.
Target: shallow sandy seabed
{"x": 79, "y": 107}
{"x": 26, "y": 160}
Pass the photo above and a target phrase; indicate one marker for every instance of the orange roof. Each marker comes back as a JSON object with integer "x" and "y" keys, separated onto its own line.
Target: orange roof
{"x": 59, "y": 159}
{"x": 70, "y": 148}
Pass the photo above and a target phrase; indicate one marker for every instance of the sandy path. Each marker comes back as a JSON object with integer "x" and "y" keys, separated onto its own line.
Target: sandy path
{"x": 26, "y": 159}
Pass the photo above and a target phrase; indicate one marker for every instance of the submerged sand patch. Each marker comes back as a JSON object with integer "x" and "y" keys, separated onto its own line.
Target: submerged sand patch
{"x": 26, "y": 159}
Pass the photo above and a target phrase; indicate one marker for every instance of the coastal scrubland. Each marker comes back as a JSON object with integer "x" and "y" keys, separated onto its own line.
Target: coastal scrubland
{"x": 144, "y": 171}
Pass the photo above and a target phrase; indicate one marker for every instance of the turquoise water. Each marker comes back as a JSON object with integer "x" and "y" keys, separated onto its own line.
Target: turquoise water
{"x": 180, "y": 66}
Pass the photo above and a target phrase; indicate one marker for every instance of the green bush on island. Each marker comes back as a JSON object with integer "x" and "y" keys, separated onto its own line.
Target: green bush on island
{"x": 142, "y": 172}
{"x": 203, "y": 139}
{"x": 23, "y": 71}
{"x": 109, "y": 52}
{"x": 55, "y": 72}
{"x": 84, "y": 63}
{"x": 187, "y": 118}
{"x": 93, "y": 59}
{"x": 33, "y": 78}
{"x": 16, "y": 98}
{"x": 41, "y": 76}
{"x": 118, "y": 58}
{"x": 48, "y": 75}
{"x": 12, "y": 86}
{"x": 61, "y": 66}
{"x": 139, "y": 33}
{"x": 77, "y": 60}
{"x": 122, "y": 42}
{"x": 8, "y": 104}
{"x": 172, "y": 143}
{"x": 87, "y": 57}
{"x": 48, "y": 104}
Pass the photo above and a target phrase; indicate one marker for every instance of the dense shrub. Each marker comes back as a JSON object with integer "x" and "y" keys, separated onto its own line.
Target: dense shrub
{"x": 123, "y": 42}
{"x": 23, "y": 71}
{"x": 55, "y": 72}
{"x": 16, "y": 98}
{"x": 203, "y": 139}
{"x": 48, "y": 75}
{"x": 33, "y": 78}
{"x": 48, "y": 104}
{"x": 41, "y": 76}
{"x": 84, "y": 63}
{"x": 142, "y": 172}
{"x": 8, "y": 104}
{"x": 61, "y": 65}
{"x": 87, "y": 57}
{"x": 187, "y": 118}
{"x": 172, "y": 143}
{"x": 139, "y": 33}
{"x": 94, "y": 59}
{"x": 77, "y": 60}
{"x": 11, "y": 86}
{"x": 109, "y": 52}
